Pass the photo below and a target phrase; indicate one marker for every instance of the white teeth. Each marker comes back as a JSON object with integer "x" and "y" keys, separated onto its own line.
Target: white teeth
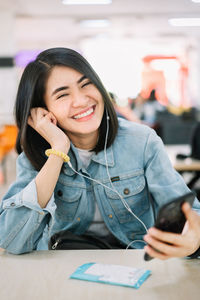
{"x": 88, "y": 112}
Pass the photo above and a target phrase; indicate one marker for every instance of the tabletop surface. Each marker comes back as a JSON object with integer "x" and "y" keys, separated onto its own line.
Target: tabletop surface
{"x": 188, "y": 164}
{"x": 45, "y": 275}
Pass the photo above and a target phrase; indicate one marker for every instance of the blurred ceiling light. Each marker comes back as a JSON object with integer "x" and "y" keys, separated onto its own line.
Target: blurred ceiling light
{"x": 196, "y": 1}
{"x": 95, "y": 23}
{"x": 86, "y": 2}
{"x": 184, "y": 22}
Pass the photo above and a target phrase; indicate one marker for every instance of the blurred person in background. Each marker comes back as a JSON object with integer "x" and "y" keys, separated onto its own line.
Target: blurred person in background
{"x": 123, "y": 111}
{"x": 147, "y": 109}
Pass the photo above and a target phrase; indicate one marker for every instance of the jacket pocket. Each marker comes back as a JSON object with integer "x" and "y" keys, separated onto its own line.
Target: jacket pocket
{"x": 133, "y": 192}
{"x": 67, "y": 200}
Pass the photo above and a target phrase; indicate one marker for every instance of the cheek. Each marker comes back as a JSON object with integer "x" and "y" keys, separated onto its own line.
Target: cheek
{"x": 99, "y": 99}
{"x": 60, "y": 110}
{"x": 95, "y": 94}
{"x": 101, "y": 104}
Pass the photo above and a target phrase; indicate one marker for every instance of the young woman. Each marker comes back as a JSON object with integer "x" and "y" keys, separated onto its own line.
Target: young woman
{"x": 97, "y": 174}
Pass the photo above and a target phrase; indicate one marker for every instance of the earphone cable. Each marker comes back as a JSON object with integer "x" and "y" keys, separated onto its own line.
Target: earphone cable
{"x": 114, "y": 189}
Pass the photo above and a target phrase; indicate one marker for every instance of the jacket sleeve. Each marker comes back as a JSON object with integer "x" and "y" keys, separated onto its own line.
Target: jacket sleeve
{"x": 22, "y": 220}
{"x": 164, "y": 182}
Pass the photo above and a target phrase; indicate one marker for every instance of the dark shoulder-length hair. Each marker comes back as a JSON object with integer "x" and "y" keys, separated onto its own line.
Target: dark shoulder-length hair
{"x": 31, "y": 92}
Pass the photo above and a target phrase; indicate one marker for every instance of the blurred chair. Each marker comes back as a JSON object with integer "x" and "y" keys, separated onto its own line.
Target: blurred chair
{"x": 195, "y": 154}
{"x": 176, "y": 129}
{"x": 8, "y": 137}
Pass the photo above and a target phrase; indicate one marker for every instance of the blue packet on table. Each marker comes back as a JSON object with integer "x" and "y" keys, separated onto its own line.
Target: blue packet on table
{"x": 111, "y": 274}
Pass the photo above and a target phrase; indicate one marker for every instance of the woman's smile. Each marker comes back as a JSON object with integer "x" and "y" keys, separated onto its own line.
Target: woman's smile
{"x": 85, "y": 115}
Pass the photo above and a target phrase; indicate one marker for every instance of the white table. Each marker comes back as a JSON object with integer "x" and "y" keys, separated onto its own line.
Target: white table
{"x": 185, "y": 165}
{"x": 44, "y": 275}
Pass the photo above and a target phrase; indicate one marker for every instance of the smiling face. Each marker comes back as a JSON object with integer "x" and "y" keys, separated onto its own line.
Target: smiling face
{"x": 77, "y": 105}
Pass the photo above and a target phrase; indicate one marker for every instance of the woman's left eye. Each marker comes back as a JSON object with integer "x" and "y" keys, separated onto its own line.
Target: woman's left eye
{"x": 63, "y": 95}
{"x": 85, "y": 84}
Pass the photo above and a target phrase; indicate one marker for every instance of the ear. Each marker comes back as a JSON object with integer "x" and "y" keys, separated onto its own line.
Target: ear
{"x": 53, "y": 118}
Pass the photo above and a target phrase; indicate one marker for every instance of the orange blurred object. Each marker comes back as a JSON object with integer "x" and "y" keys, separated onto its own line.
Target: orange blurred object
{"x": 8, "y": 137}
{"x": 155, "y": 79}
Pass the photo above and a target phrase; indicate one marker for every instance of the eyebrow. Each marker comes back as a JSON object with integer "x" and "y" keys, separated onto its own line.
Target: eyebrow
{"x": 66, "y": 87}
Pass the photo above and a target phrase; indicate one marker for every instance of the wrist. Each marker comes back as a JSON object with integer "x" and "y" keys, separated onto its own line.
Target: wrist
{"x": 60, "y": 147}
{"x": 58, "y": 153}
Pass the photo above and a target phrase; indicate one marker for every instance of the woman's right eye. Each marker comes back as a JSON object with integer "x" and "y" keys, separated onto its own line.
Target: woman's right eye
{"x": 63, "y": 95}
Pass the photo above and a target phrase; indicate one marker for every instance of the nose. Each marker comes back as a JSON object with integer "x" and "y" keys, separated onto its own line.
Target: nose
{"x": 79, "y": 99}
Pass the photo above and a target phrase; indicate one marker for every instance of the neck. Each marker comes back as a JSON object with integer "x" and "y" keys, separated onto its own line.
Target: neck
{"x": 85, "y": 142}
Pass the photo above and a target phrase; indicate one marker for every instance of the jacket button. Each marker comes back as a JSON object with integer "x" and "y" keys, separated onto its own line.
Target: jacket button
{"x": 126, "y": 191}
{"x": 59, "y": 193}
{"x": 110, "y": 216}
{"x": 12, "y": 204}
{"x": 78, "y": 219}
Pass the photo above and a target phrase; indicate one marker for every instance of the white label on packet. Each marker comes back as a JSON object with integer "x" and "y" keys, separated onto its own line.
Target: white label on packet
{"x": 115, "y": 273}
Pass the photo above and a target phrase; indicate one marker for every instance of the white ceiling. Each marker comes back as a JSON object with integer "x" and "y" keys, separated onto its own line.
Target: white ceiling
{"x": 44, "y": 23}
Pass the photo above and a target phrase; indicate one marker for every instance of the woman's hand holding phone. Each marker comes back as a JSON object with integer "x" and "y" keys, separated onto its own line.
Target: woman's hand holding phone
{"x": 175, "y": 245}
{"x": 45, "y": 123}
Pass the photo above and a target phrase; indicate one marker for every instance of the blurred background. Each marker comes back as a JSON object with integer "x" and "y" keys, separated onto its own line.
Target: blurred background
{"x": 146, "y": 52}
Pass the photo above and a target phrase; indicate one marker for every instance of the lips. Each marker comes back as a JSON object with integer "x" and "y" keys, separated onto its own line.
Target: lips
{"x": 84, "y": 113}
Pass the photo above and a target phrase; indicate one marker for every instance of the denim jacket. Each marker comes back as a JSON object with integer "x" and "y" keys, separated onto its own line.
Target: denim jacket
{"x": 137, "y": 162}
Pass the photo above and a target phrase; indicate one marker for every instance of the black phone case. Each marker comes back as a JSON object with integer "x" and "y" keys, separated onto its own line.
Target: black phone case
{"x": 170, "y": 216}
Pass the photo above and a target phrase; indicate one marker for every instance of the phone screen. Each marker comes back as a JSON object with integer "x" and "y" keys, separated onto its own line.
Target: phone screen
{"x": 170, "y": 216}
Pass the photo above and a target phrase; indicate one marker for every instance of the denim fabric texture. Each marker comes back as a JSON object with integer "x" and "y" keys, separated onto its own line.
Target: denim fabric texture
{"x": 137, "y": 153}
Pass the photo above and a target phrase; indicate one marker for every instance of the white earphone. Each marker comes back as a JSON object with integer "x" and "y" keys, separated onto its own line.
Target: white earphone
{"x": 113, "y": 188}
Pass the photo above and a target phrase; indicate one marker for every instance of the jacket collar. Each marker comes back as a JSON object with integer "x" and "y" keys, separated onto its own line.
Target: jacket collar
{"x": 77, "y": 164}
{"x": 100, "y": 157}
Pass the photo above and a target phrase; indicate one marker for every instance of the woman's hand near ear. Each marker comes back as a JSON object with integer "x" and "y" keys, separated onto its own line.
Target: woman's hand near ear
{"x": 45, "y": 123}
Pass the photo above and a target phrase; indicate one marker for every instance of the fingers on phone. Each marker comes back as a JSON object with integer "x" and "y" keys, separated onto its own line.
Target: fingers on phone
{"x": 155, "y": 253}
{"x": 190, "y": 215}
{"x": 168, "y": 238}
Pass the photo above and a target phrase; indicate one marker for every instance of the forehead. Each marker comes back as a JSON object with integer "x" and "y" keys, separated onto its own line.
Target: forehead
{"x": 60, "y": 75}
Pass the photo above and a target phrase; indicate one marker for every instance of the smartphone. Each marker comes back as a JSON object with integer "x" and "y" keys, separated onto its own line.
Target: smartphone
{"x": 170, "y": 216}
